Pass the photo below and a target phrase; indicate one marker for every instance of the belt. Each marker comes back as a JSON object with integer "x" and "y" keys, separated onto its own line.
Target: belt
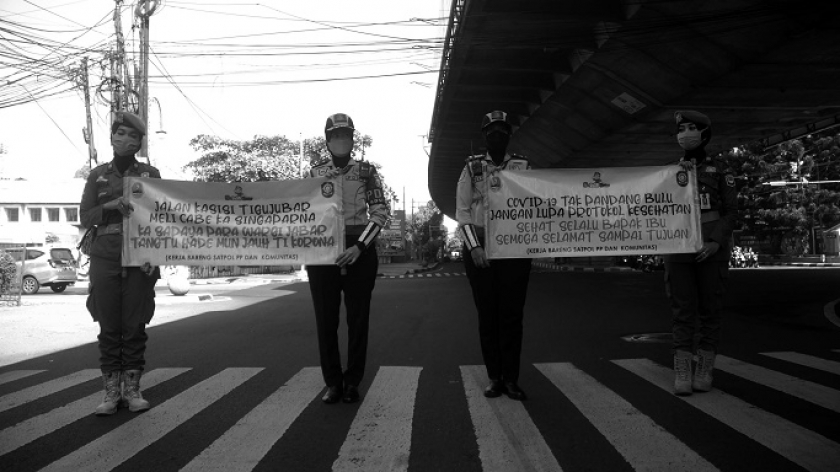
{"x": 113, "y": 228}
{"x": 709, "y": 216}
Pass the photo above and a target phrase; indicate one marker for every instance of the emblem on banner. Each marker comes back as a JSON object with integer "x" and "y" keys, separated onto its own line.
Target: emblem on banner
{"x": 137, "y": 190}
{"x": 327, "y": 189}
{"x": 238, "y": 195}
{"x": 730, "y": 180}
{"x": 495, "y": 183}
{"x": 682, "y": 178}
{"x": 596, "y": 182}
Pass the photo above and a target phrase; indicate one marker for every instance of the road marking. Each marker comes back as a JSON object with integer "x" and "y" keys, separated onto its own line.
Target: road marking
{"x": 242, "y": 447}
{"x": 380, "y": 436}
{"x": 122, "y": 443}
{"x": 831, "y": 367}
{"x": 36, "y": 392}
{"x": 808, "y": 391}
{"x": 801, "y": 446}
{"x": 17, "y": 375}
{"x": 643, "y": 443}
{"x": 27, "y": 431}
{"x": 507, "y": 437}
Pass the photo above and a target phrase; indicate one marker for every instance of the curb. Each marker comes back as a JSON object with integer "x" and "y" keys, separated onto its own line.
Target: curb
{"x": 802, "y": 264}
{"x": 565, "y": 268}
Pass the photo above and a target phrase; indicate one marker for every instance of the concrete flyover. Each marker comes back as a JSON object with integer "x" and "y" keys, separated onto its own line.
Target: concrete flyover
{"x": 595, "y": 83}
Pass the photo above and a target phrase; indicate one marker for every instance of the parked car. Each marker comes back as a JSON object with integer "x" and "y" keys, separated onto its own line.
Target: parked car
{"x": 53, "y": 267}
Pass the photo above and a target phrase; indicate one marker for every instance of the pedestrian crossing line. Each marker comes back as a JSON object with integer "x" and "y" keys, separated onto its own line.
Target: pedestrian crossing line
{"x": 380, "y": 435}
{"x": 27, "y": 431}
{"x": 803, "y": 389}
{"x": 242, "y": 447}
{"x": 826, "y": 365}
{"x": 806, "y": 448}
{"x": 36, "y": 392}
{"x": 17, "y": 375}
{"x": 644, "y": 444}
{"x": 507, "y": 437}
{"x": 130, "y": 438}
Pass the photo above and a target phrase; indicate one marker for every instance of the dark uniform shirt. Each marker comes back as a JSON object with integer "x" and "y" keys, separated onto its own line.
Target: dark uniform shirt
{"x": 718, "y": 205}
{"x": 105, "y": 183}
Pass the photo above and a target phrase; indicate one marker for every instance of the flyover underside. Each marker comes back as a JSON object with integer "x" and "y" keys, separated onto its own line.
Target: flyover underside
{"x": 596, "y": 83}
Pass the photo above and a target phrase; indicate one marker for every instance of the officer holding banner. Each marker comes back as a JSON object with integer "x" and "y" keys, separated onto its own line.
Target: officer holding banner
{"x": 695, "y": 282}
{"x": 499, "y": 286}
{"x": 121, "y": 299}
{"x": 354, "y": 273}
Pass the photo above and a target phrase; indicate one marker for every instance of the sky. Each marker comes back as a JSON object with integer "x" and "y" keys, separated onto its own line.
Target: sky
{"x": 230, "y": 69}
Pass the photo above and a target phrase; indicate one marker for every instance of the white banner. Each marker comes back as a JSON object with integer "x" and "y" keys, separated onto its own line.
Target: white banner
{"x": 244, "y": 223}
{"x": 592, "y": 212}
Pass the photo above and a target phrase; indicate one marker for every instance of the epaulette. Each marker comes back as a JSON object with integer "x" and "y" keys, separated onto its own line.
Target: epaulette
{"x": 321, "y": 162}
{"x": 517, "y": 162}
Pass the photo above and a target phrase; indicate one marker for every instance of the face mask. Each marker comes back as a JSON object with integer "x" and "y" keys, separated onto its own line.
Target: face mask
{"x": 340, "y": 147}
{"x": 125, "y": 145}
{"x": 689, "y": 139}
{"x": 497, "y": 141}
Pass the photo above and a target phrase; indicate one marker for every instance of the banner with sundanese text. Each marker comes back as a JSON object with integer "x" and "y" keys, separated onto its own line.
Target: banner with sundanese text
{"x": 243, "y": 223}
{"x": 592, "y": 212}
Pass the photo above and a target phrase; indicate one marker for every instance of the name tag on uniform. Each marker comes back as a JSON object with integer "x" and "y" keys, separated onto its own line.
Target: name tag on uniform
{"x": 321, "y": 171}
{"x": 705, "y": 202}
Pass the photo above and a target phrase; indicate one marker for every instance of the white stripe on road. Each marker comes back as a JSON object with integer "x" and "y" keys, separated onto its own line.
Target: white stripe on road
{"x": 808, "y": 391}
{"x": 27, "y": 431}
{"x": 48, "y": 388}
{"x": 17, "y": 375}
{"x": 122, "y": 443}
{"x": 380, "y": 436}
{"x": 242, "y": 447}
{"x": 507, "y": 437}
{"x": 642, "y": 442}
{"x": 831, "y": 367}
{"x": 801, "y": 446}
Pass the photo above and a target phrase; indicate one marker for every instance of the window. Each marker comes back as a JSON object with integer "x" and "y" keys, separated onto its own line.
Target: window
{"x": 52, "y": 214}
{"x": 34, "y": 214}
{"x": 12, "y": 214}
{"x": 71, "y": 214}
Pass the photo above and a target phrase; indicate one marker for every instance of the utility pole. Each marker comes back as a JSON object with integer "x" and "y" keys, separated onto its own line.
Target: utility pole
{"x": 144, "y": 10}
{"x": 88, "y": 131}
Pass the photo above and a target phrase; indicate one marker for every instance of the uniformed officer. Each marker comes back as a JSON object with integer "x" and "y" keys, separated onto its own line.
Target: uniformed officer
{"x": 121, "y": 299}
{"x": 498, "y": 287}
{"x": 354, "y": 273}
{"x": 695, "y": 282}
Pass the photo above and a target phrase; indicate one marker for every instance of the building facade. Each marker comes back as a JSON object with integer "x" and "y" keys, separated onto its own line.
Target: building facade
{"x": 38, "y": 213}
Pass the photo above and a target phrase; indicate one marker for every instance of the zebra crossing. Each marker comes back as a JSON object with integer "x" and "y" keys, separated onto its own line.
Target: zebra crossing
{"x": 425, "y": 275}
{"x": 507, "y": 433}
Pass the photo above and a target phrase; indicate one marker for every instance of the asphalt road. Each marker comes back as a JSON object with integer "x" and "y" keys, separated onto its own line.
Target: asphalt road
{"x": 235, "y": 384}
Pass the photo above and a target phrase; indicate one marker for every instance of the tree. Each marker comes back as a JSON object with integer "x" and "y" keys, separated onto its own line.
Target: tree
{"x": 82, "y": 173}
{"x": 788, "y": 214}
{"x": 266, "y": 158}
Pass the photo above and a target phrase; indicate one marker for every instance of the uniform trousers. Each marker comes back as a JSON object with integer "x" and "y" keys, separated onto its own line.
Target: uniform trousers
{"x": 326, "y": 283}
{"x": 499, "y": 295}
{"x": 696, "y": 292}
{"x": 122, "y": 305}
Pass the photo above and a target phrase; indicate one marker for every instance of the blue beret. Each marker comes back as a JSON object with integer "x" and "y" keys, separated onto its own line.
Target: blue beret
{"x": 124, "y": 118}
{"x": 691, "y": 116}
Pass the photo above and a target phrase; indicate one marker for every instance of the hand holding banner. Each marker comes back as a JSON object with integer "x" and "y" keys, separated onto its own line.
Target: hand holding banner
{"x": 242, "y": 223}
{"x": 592, "y": 212}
